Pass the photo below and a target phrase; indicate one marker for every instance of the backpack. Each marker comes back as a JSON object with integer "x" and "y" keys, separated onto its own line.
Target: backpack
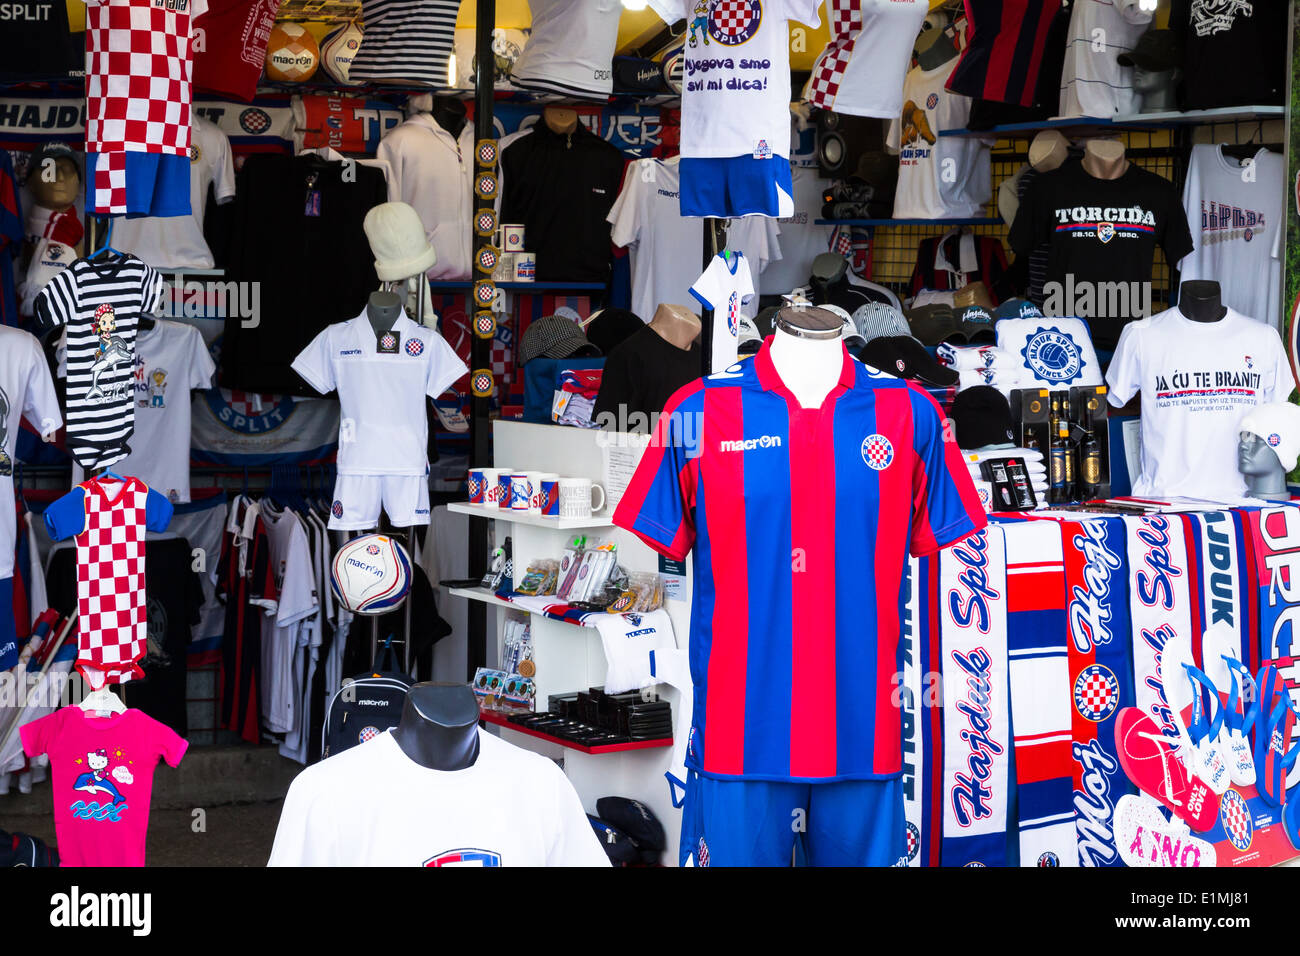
{"x": 365, "y": 706}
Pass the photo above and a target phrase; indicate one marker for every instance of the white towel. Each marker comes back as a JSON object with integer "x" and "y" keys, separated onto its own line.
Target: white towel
{"x": 1003, "y": 379}
{"x": 968, "y": 358}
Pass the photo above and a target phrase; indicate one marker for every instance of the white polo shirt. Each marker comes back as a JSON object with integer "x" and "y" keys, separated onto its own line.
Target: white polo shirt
{"x": 571, "y": 48}
{"x": 433, "y": 172}
{"x": 384, "y": 425}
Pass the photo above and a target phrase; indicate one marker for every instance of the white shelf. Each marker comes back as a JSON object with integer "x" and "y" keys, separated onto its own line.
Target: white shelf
{"x": 487, "y": 597}
{"x": 536, "y": 521}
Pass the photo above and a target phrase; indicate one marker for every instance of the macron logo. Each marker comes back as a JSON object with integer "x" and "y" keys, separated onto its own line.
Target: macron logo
{"x": 749, "y": 444}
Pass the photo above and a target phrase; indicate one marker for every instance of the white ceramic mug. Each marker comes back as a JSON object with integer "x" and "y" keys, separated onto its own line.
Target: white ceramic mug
{"x": 576, "y": 496}
{"x": 498, "y": 488}
{"x": 525, "y": 267}
{"x": 540, "y": 480}
{"x": 512, "y": 238}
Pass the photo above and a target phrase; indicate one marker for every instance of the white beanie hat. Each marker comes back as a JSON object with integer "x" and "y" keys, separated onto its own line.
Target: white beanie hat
{"x": 398, "y": 242}
{"x": 1279, "y": 425}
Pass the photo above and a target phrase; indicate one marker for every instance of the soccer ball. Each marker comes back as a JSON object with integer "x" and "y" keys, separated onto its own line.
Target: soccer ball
{"x": 337, "y": 51}
{"x": 292, "y": 54}
{"x": 371, "y": 574}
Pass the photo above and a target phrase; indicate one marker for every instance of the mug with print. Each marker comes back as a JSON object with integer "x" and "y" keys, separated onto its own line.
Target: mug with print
{"x": 576, "y": 497}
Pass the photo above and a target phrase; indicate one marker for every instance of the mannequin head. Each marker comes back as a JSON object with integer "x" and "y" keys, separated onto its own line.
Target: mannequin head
{"x": 54, "y": 177}
{"x": 1254, "y": 458}
{"x": 1156, "y": 88}
{"x": 1268, "y": 446}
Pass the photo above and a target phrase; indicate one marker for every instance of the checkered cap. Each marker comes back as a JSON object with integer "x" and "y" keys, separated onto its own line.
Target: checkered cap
{"x": 878, "y": 320}
{"x": 554, "y": 336}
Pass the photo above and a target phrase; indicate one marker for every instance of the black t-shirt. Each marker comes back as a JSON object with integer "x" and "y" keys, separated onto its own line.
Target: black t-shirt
{"x": 1101, "y": 235}
{"x": 296, "y": 232}
{"x": 561, "y": 186}
{"x": 1234, "y": 54}
{"x": 640, "y": 375}
{"x": 173, "y": 600}
{"x": 38, "y": 43}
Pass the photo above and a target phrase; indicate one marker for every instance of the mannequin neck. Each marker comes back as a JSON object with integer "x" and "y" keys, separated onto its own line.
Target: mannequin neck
{"x": 439, "y": 726}
{"x": 676, "y": 325}
{"x": 450, "y": 114}
{"x": 1158, "y": 92}
{"x": 1105, "y": 159}
{"x": 809, "y": 368}
{"x": 1201, "y": 301}
{"x": 382, "y": 309}
{"x": 1048, "y": 151}
{"x": 560, "y": 119}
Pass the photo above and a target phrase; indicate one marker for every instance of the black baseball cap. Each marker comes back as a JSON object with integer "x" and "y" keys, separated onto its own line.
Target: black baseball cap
{"x": 1156, "y": 51}
{"x": 56, "y": 150}
{"x": 981, "y": 416}
{"x": 635, "y": 819}
{"x": 976, "y": 323}
{"x": 905, "y": 357}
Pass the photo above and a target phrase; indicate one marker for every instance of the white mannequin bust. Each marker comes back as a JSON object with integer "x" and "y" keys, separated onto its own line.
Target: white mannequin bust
{"x": 809, "y": 367}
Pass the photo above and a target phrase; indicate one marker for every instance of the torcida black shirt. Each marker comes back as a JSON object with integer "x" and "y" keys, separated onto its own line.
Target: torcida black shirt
{"x": 561, "y": 186}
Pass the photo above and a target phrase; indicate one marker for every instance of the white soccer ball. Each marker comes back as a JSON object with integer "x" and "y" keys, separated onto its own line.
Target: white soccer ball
{"x": 371, "y": 574}
{"x": 337, "y": 51}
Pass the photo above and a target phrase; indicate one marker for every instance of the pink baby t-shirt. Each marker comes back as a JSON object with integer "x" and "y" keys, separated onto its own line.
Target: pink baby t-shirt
{"x": 103, "y": 780}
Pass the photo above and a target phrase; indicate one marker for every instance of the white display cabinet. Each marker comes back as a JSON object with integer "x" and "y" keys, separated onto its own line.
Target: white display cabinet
{"x": 570, "y": 657}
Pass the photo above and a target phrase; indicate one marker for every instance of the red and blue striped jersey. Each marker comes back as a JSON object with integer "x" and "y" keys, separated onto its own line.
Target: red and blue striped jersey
{"x": 801, "y": 521}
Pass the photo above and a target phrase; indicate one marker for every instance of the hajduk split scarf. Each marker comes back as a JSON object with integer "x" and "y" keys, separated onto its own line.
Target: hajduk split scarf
{"x": 1100, "y": 677}
{"x": 977, "y": 712}
{"x": 922, "y": 703}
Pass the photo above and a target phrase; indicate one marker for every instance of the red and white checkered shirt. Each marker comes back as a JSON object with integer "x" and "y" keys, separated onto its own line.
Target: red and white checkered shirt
{"x": 138, "y": 71}
{"x": 111, "y": 609}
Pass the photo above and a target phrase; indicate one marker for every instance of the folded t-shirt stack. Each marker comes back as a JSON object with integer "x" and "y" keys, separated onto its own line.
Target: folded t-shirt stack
{"x": 980, "y": 365}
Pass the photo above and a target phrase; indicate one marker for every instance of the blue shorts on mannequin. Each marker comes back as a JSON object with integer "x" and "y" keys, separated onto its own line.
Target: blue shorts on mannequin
{"x": 739, "y": 186}
{"x": 757, "y": 823}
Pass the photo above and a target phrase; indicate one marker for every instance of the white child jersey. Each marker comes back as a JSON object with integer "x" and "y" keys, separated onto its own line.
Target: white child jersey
{"x": 736, "y": 79}
{"x": 802, "y": 240}
{"x": 1093, "y": 83}
{"x": 26, "y": 391}
{"x": 1198, "y": 381}
{"x": 571, "y": 47}
{"x": 928, "y": 186}
{"x": 724, "y": 286}
{"x": 288, "y": 627}
{"x": 665, "y": 245}
{"x": 372, "y": 805}
{"x": 1237, "y": 216}
{"x": 176, "y": 242}
{"x": 170, "y": 360}
{"x": 432, "y": 171}
{"x": 861, "y": 71}
{"x": 382, "y": 383}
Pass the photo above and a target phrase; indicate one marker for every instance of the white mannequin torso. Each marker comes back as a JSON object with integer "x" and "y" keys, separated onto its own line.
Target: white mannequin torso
{"x": 810, "y": 368}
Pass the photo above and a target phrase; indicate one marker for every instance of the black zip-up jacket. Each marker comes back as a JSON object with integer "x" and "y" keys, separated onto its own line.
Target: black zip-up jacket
{"x": 561, "y": 186}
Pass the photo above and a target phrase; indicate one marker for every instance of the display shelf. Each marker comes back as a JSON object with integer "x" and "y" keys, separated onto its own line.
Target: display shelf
{"x": 493, "y": 718}
{"x": 537, "y": 521}
{"x": 979, "y": 221}
{"x": 488, "y": 597}
{"x": 440, "y": 285}
{"x": 1138, "y": 121}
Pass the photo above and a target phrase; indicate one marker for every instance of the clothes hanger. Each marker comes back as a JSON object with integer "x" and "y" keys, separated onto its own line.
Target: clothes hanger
{"x": 107, "y": 246}
{"x": 102, "y": 699}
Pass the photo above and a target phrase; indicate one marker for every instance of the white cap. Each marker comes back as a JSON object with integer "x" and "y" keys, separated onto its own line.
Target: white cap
{"x": 850, "y": 330}
{"x": 1279, "y": 425}
{"x": 397, "y": 239}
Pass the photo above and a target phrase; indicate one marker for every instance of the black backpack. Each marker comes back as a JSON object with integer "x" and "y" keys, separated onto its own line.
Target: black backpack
{"x": 365, "y": 706}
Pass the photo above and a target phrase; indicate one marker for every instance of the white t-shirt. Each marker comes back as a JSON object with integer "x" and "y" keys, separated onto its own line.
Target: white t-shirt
{"x": 1093, "y": 83}
{"x": 861, "y": 71}
{"x": 384, "y": 424}
{"x": 170, "y": 360}
{"x": 571, "y": 47}
{"x": 433, "y": 172}
{"x": 372, "y": 805}
{"x": 802, "y": 240}
{"x": 26, "y": 391}
{"x": 929, "y": 187}
{"x": 736, "y": 80}
{"x": 1198, "y": 380}
{"x": 288, "y": 627}
{"x": 176, "y": 242}
{"x": 666, "y": 247}
{"x": 1237, "y": 215}
{"x": 724, "y": 286}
